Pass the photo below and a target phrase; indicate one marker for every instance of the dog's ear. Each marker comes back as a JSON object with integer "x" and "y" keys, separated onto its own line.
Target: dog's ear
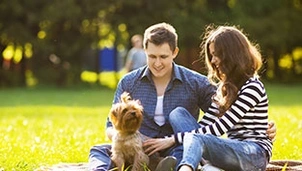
{"x": 125, "y": 97}
{"x": 139, "y": 105}
{"x": 114, "y": 113}
{"x": 138, "y": 102}
{"x": 114, "y": 110}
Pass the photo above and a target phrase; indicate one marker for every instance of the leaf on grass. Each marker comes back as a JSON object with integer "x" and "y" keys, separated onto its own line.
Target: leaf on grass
{"x": 284, "y": 167}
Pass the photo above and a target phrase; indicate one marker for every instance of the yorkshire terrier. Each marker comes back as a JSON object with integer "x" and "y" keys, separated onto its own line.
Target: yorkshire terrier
{"x": 126, "y": 117}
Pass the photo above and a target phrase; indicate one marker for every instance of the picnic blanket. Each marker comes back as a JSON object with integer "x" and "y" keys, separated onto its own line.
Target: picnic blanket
{"x": 65, "y": 167}
{"x": 290, "y": 165}
{"x": 274, "y": 165}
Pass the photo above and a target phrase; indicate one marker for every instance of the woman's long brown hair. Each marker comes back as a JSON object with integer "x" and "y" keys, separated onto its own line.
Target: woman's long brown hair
{"x": 239, "y": 60}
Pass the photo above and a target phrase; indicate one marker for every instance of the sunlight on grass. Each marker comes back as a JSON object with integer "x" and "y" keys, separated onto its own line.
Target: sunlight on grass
{"x": 285, "y": 109}
{"x": 45, "y": 127}
{"x": 289, "y": 137}
{"x": 39, "y": 135}
{"x": 49, "y": 134}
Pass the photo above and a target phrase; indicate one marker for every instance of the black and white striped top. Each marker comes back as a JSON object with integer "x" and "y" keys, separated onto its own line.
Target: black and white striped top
{"x": 246, "y": 119}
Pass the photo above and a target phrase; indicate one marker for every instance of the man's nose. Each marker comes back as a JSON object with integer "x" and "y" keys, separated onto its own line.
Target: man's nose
{"x": 157, "y": 61}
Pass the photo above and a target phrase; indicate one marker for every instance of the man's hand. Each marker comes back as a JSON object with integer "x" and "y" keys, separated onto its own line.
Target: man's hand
{"x": 110, "y": 131}
{"x": 154, "y": 145}
{"x": 271, "y": 131}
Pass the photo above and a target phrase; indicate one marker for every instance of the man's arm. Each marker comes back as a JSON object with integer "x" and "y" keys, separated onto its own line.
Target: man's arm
{"x": 110, "y": 132}
{"x": 157, "y": 144}
{"x": 154, "y": 145}
{"x": 272, "y": 131}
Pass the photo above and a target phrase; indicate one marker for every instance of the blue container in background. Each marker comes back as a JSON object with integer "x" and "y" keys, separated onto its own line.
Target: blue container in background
{"x": 108, "y": 59}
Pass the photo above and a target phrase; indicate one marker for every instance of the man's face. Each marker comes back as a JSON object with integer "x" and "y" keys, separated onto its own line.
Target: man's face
{"x": 160, "y": 59}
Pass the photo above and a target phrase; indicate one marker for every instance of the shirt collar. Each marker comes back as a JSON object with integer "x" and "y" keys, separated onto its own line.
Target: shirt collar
{"x": 175, "y": 75}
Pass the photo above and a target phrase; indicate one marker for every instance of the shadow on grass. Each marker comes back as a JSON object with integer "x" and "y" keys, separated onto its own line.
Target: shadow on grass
{"x": 58, "y": 97}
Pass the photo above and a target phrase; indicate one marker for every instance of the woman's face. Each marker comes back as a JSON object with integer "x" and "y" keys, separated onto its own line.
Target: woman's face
{"x": 215, "y": 60}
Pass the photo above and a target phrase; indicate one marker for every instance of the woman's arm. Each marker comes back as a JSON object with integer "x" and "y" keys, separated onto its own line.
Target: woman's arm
{"x": 248, "y": 98}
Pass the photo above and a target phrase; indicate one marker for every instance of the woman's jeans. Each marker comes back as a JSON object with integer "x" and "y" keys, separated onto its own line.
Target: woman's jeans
{"x": 224, "y": 153}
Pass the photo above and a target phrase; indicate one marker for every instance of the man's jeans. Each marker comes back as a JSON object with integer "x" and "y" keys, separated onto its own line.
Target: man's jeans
{"x": 99, "y": 157}
{"x": 224, "y": 153}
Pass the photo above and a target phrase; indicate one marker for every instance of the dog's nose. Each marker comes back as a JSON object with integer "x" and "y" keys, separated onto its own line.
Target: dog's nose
{"x": 133, "y": 113}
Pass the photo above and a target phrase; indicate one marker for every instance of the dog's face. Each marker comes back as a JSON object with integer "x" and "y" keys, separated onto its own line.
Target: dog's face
{"x": 126, "y": 115}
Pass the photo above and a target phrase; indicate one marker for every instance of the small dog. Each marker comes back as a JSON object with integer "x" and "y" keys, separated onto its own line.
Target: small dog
{"x": 127, "y": 116}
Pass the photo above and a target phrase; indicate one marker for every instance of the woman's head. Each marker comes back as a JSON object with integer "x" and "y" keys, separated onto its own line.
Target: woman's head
{"x": 231, "y": 60}
{"x": 238, "y": 58}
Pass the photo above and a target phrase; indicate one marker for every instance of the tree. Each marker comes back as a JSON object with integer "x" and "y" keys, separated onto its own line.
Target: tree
{"x": 274, "y": 24}
{"x": 70, "y": 28}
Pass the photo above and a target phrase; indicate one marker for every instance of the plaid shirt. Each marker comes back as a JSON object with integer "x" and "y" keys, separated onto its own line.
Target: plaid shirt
{"x": 187, "y": 88}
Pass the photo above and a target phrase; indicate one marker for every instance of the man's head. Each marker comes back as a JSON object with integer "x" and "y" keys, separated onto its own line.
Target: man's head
{"x": 159, "y": 34}
{"x": 160, "y": 44}
{"x": 137, "y": 40}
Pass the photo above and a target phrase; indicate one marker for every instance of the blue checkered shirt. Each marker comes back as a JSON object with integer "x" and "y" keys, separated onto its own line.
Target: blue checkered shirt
{"x": 187, "y": 88}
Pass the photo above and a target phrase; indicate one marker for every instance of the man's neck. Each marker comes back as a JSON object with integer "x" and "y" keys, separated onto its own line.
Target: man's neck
{"x": 162, "y": 83}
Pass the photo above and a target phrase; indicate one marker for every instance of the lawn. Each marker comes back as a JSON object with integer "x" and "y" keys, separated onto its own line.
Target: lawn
{"x": 48, "y": 126}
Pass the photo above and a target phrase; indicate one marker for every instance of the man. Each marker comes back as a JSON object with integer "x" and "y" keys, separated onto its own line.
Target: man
{"x": 161, "y": 86}
{"x": 136, "y": 56}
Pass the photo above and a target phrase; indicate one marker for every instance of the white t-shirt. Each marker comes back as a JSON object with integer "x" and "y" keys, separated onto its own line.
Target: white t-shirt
{"x": 159, "y": 117}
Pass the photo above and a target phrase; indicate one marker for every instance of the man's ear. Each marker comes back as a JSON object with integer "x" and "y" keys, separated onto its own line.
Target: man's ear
{"x": 175, "y": 53}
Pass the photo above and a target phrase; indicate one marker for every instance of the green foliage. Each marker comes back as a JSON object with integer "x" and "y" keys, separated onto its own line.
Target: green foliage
{"x": 272, "y": 24}
{"x": 70, "y": 28}
{"x": 47, "y": 126}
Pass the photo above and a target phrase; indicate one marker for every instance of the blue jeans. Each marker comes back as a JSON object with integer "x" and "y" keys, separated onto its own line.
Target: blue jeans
{"x": 180, "y": 120}
{"x": 224, "y": 153}
{"x": 99, "y": 157}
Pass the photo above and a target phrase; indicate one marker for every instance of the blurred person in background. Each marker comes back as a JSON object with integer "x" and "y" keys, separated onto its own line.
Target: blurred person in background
{"x": 136, "y": 57}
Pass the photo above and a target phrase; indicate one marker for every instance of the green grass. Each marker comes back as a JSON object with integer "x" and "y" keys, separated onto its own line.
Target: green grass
{"x": 48, "y": 126}
{"x": 43, "y": 127}
{"x": 285, "y": 108}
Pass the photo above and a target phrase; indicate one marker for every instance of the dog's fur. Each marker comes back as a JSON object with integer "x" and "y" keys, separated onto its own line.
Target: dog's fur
{"x": 127, "y": 116}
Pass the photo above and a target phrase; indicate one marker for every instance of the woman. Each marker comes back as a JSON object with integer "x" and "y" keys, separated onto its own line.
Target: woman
{"x": 239, "y": 108}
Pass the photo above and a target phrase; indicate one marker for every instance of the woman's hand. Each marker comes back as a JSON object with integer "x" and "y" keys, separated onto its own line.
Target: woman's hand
{"x": 271, "y": 131}
{"x": 154, "y": 145}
